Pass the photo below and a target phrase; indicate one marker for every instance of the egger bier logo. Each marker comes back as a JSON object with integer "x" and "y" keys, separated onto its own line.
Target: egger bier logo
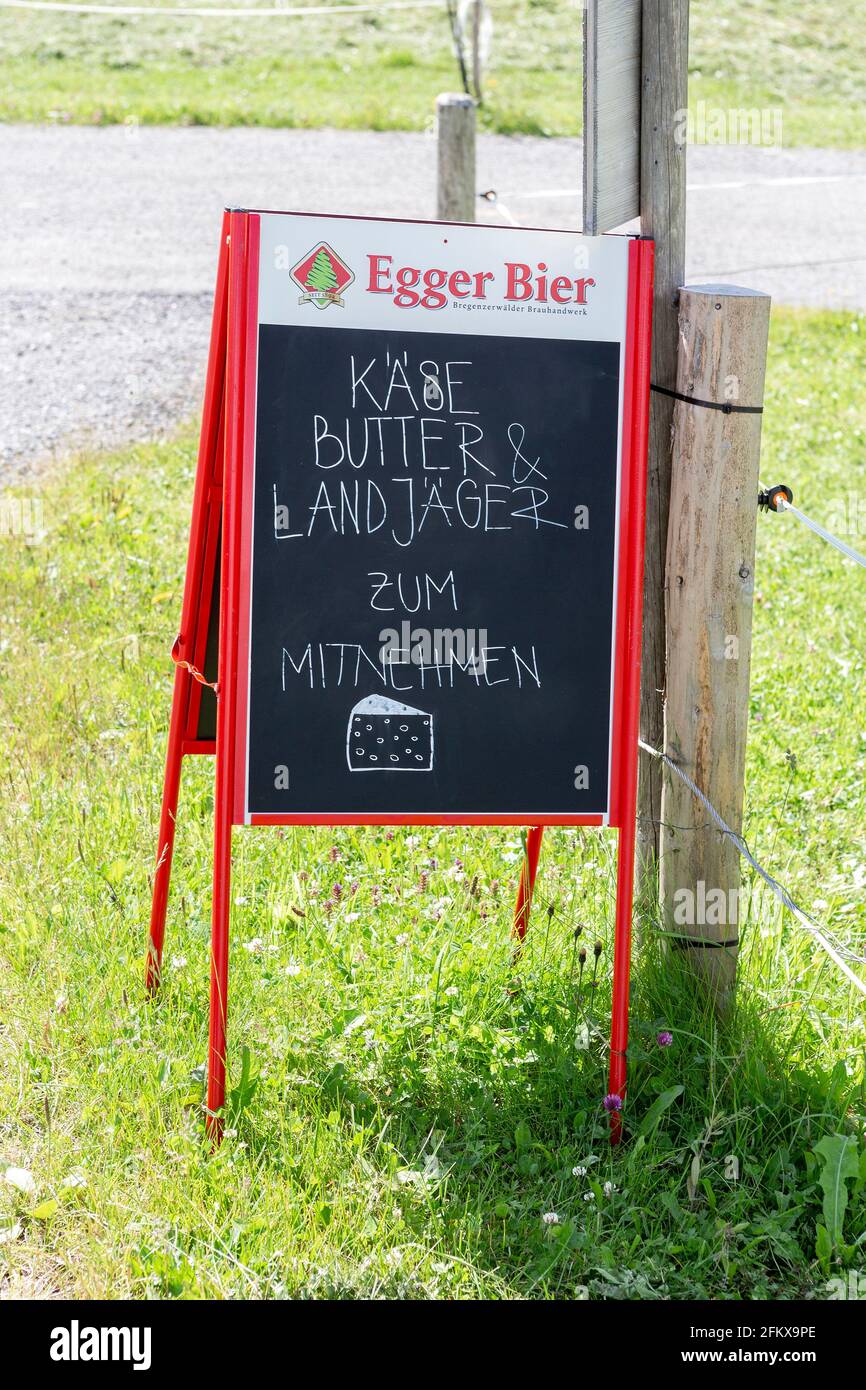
{"x": 322, "y": 275}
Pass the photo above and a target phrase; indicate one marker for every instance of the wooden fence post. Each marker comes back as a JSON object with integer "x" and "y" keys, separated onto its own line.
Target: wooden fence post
{"x": 664, "y": 98}
{"x": 455, "y": 139}
{"x": 709, "y": 592}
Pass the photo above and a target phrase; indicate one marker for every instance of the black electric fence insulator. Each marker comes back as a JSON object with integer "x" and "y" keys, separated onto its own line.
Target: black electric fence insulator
{"x": 770, "y": 497}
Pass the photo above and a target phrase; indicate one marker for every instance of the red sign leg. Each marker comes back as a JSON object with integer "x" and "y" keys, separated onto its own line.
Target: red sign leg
{"x": 197, "y": 596}
{"x": 227, "y": 682}
{"x": 219, "y": 973}
{"x": 167, "y": 822}
{"x": 621, "y": 972}
{"x": 526, "y": 886}
{"x": 636, "y": 414}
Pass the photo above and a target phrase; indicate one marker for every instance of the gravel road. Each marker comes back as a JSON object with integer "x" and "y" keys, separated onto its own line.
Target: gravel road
{"x": 108, "y": 245}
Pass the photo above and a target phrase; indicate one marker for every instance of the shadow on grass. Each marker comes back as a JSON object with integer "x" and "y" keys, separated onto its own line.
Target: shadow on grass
{"x": 710, "y": 1195}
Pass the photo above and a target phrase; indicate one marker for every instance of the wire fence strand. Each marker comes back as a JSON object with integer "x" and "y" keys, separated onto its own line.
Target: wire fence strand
{"x": 820, "y": 934}
{"x": 783, "y": 505}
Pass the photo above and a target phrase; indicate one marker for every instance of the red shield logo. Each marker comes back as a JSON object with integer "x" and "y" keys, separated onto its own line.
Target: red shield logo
{"x": 322, "y": 275}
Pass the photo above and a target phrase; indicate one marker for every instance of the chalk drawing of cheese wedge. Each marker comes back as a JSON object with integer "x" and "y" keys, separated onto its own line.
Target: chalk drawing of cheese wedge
{"x": 385, "y": 736}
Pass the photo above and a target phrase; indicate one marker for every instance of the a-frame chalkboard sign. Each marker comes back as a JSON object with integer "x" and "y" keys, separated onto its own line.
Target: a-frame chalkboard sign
{"x": 413, "y": 590}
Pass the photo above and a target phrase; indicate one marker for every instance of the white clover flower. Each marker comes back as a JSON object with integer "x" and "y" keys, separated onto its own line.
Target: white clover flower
{"x": 20, "y": 1178}
{"x": 609, "y": 1189}
{"x": 402, "y": 939}
{"x": 551, "y": 1218}
{"x": 589, "y": 1196}
{"x": 293, "y": 968}
{"x": 580, "y": 1171}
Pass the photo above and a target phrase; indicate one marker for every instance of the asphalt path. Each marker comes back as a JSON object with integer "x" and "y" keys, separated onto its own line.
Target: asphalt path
{"x": 108, "y": 243}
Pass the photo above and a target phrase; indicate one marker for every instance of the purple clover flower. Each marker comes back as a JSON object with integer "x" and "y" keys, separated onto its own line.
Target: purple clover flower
{"x": 612, "y": 1103}
{"x": 664, "y": 1038}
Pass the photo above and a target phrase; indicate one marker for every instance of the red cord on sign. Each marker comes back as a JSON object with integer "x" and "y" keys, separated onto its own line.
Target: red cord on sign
{"x": 193, "y": 670}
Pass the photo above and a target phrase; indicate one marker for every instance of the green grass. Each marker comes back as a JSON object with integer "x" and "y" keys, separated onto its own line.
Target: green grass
{"x": 383, "y": 71}
{"x": 413, "y": 1105}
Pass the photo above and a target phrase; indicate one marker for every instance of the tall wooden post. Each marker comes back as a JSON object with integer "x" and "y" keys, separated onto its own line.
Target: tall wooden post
{"x": 710, "y": 590}
{"x": 455, "y": 138}
{"x": 664, "y": 97}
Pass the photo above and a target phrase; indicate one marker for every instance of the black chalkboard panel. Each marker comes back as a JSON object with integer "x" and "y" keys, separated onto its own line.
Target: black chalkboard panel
{"x": 207, "y": 710}
{"x": 432, "y": 603}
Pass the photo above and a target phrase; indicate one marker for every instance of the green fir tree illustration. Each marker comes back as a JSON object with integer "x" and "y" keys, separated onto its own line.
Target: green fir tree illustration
{"x": 321, "y": 275}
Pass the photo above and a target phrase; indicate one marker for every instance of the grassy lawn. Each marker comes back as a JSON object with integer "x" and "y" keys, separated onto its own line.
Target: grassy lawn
{"x": 406, "y": 1107}
{"x": 383, "y": 71}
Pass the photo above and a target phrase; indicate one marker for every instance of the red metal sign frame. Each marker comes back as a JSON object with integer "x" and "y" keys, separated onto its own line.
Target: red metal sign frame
{"x": 221, "y": 530}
